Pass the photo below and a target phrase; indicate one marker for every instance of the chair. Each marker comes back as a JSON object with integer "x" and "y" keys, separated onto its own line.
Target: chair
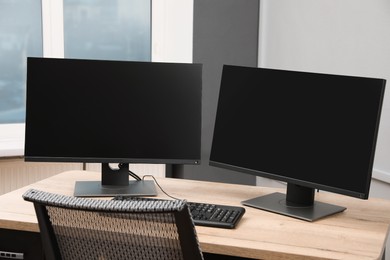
{"x": 83, "y": 228}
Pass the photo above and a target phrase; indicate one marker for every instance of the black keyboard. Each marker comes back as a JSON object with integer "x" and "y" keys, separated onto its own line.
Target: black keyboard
{"x": 203, "y": 214}
{"x": 213, "y": 215}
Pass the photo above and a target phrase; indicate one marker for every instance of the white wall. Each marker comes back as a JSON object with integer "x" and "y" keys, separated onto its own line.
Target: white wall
{"x": 342, "y": 37}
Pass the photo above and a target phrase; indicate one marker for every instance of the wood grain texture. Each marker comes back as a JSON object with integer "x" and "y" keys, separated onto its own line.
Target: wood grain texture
{"x": 360, "y": 232}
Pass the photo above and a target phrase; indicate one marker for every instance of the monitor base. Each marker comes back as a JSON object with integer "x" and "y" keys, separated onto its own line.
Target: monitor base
{"x": 96, "y": 189}
{"x": 276, "y": 202}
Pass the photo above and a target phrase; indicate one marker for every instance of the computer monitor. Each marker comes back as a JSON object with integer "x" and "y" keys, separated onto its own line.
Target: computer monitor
{"x": 113, "y": 112}
{"x": 311, "y": 130}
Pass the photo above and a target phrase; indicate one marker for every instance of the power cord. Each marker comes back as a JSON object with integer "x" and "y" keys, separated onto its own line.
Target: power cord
{"x": 136, "y": 177}
{"x": 132, "y": 174}
{"x": 154, "y": 179}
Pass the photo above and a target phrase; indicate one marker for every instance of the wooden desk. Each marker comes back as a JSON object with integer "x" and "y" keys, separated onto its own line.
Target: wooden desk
{"x": 358, "y": 233}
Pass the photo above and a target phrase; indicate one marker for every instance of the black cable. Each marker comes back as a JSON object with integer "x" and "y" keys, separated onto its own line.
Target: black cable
{"x": 134, "y": 175}
{"x": 172, "y": 197}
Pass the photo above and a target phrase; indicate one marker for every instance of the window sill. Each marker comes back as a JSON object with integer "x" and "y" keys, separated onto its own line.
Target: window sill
{"x": 11, "y": 151}
{"x": 11, "y": 140}
{"x": 381, "y": 175}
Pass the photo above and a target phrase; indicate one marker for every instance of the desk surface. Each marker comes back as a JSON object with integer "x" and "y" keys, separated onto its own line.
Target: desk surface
{"x": 360, "y": 232}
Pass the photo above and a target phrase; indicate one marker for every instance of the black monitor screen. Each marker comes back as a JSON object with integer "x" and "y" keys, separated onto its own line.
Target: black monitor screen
{"x": 113, "y": 111}
{"x": 308, "y": 129}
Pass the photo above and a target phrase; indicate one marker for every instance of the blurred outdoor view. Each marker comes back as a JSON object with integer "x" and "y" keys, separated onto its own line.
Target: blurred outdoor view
{"x": 20, "y": 36}
{"x": 93, "y": 29}
{"x": 107, "y": 29}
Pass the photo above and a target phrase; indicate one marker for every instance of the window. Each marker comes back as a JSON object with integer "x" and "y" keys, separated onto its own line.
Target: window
{"x": 103, "y": 29}
{"x": 95, "y": 29}
{"x": 20, "y": 36}
{"x": 107, "y": 29}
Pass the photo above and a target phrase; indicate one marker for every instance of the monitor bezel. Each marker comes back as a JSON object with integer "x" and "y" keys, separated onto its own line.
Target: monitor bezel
{"x": 133, "y": 160}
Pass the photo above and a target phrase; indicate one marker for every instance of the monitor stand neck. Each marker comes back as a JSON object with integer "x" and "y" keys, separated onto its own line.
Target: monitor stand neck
{"x": 298, "y": 195}
{"x": 117, "y": 177}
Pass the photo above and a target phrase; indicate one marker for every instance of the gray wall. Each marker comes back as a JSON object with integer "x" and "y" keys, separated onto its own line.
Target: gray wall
{"x": 225, "y": 32}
